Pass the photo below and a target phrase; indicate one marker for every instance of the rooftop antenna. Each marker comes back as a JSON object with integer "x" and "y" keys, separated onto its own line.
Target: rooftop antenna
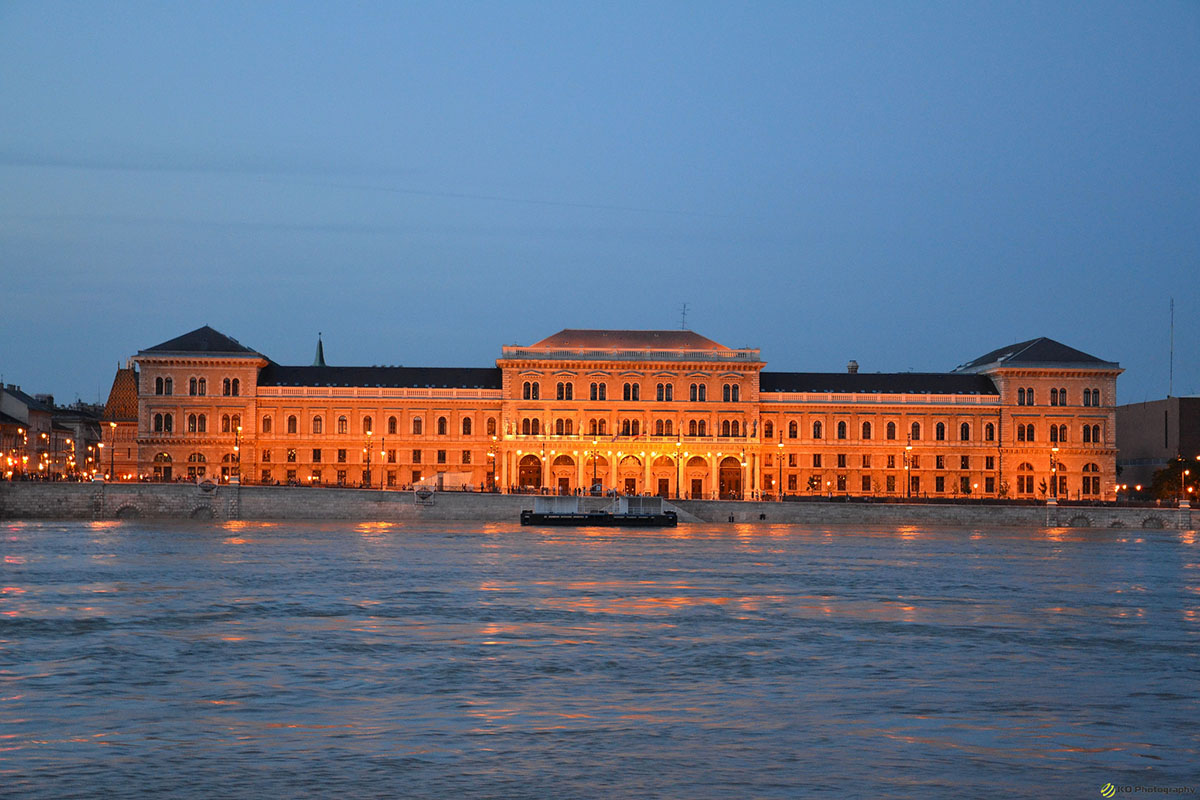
{"x": 683, "y": 317}
{"x": 1171, "y": 368}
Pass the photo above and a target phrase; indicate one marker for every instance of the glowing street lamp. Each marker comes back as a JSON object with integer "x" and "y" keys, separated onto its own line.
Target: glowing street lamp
{"x": 779, "y": 483}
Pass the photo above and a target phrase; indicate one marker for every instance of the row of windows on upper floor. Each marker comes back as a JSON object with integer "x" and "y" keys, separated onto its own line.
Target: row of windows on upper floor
{"x": 198, "y": 387}
{"x": 867, "y": 431}
{"x": 663, "y": 392}
{"x": 1058, "y": 397}
{"x": 1058, "y": 433}
{"x": 392, "y": 425}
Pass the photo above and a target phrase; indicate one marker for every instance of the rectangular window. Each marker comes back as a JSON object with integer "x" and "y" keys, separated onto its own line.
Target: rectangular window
{"x": 817, "y": 460}
{"x": 989, "y": 462}
{"x": 841, "y": 460}
{"x": 266, "y": 476}
{"x": 291, "y": 476}
{"x": 391, "y": 477}
{"x": 366, "y": 477}
{"x": 266, "y": 456}
{"x": 964, "y": 484}
{"x": 416, "y": 477}
{"x": 416, "y": 459}
{"x": 341, "y": 456}
{"x": 891, "y": 483}
{"x": 791, "y": 483}
{"x": 291, "y": 455}
{"x": 866, "y": 483}
{"x": 791, "y": 459}
{"x": 914, "y": 483}
{"x": 916, "y": 462}
{"x": 316, "y": 476}
{"x": 866, "y": 460}
{"x": 341, "y": 477}
{"x": 841, "y": 483}
{"x": 939, "y": 483}
{"x": 989, "y": 485}
{"x": 964, "y": 462}
{"x": 441, "y": 456}
{"x": 466, "y": 456}
{"x": 891, "y": 462}
{"x": 391, "y": 456}
{"x": 316, "y": 455}
{"x": 939, "y": 462}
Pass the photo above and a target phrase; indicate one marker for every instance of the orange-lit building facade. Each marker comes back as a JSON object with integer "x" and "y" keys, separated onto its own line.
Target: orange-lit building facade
{"x": 647, "y": 412}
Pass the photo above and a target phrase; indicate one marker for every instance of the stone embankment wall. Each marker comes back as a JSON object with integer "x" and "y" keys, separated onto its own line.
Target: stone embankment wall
{"x": 101, "y": 501}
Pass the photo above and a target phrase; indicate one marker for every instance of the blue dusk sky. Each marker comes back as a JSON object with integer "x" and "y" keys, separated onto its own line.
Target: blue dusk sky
{"x": 908, "y": 184}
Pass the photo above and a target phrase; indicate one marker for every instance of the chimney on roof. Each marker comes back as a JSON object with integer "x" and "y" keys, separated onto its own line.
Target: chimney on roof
{"x": 852, "y": 367}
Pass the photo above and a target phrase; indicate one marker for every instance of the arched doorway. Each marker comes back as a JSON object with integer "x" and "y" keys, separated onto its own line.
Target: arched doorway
{"x": 529, "y": 473}
{"x": 731, "y": 479}
{"x": 564, "y": 471}
{"x": 629, "y": 475}
{"x": 697, "y": 476}
{"x": 664, "y": 476}
{"x": 162, "y": 467}
{"x": 596, "y": 471}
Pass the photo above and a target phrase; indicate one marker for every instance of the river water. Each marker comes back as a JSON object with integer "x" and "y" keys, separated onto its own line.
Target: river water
{"x": 717, "y": 661}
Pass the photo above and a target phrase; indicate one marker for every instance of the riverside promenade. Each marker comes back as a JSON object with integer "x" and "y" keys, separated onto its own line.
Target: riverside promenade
{"x": 181, "y": 501}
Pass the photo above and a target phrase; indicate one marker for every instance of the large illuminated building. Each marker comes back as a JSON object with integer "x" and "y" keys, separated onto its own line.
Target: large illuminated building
{"x": 653, "y": 412}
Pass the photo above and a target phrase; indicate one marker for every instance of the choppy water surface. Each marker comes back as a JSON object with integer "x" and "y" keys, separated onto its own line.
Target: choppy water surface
{"x": 388, "y": 660}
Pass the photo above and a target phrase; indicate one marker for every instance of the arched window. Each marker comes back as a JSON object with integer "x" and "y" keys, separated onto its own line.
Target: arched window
{"x": 192, "y": 386}
{"x": 659, "y": 393}
{"x": 491, "y": 426}
{"x": 841, "y": 430}
{"x": 202, "y": 423}
{"x": 1029, "y": 396}
{"x": 736, "y": 427}
{"x": 702, "y": 428}
{"x": 891, "y": 431}
{"x": 916, "y": 432}
{"x": 1021, "y": 396}
{"x": 236, "y": 421}
{"x": 225, "y": 387}
{"x": 1029, "y": 432}
{"x": 236, "y": 387}
{"x": 631, "y": 391}
{"x": 191, "y": 421}
{"x": 202, "y": 387}
{"x": 668, "y": 426}
{"x": 1054, "y": 397}
{"x": 964, "y": 432}
{"x": 1025, "y": 479}
{"x": 466, "y": 426}
{"x": 1096, "y": 435}
{"x": 817, "y": 429}
{"x": 565, "y": 391}
{"x": 691, "y": 427}
{"x": 658, "y": 426}
{"x": 1062, "y": 396}
{"x": 158, "y": 385}
{"x": 1053, "y": 433}
{"x": 939, "y": 432}
{"x": 768, "y": 430}
{"x": 368, "y": 425}
{"x": 266, "y": 425}
{"x": 698, "y": 392}
{"x": 1091, "y": 479}
{"x": 291, "y": 423}
{"x": 391, "y": 425}
{"x": 989, "y": 432}
{"x": 343, "y": 425}
{"x": 441, "y": 426}
{"x": 1062, "y": 433}
{"x": 417, "y": 426}
{"x": 603, "y": 427}
{"x": 1020, "y": 433}
{"x": 793, "y": 430}
{"x": 318, "y": 425}
{"x": 158, "y": 423}
{"x": 535, "y": 427}
{"x": 866, "y": 430}
{"x": 525, "y": 427}
{"x": 224, "y": 423}
{"x": 1087, "y": 434}
{"x": 559, "y": 427}
{"x": 168, "y": 386}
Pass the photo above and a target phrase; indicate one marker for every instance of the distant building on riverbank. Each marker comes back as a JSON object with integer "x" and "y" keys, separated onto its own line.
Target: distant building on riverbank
{"x": 1154, "y": 433}
{"x": 657, "y": 412}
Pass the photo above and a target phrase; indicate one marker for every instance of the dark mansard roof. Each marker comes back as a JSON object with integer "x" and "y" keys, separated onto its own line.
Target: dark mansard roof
{"x": 202, "y": 340}
{"x": 410, "y": 377}
{"x": 584, "y": 339}
{"x": 876, "y": 383}
{"x": 1035, "y": 352}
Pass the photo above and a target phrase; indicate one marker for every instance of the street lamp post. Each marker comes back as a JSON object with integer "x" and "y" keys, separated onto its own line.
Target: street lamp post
{"x": 1054, "y": 472}
{"x": 779, "y": 483}
{"x": 237, "y": 452}
{"x": 112, "y": 452}
{"x": 100, "y": 458}
{"x": 492, "y": 465}
{"x": 382, "y": 457}
{"x": 367, "y": 450}
{"x": 907, "y": 466}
